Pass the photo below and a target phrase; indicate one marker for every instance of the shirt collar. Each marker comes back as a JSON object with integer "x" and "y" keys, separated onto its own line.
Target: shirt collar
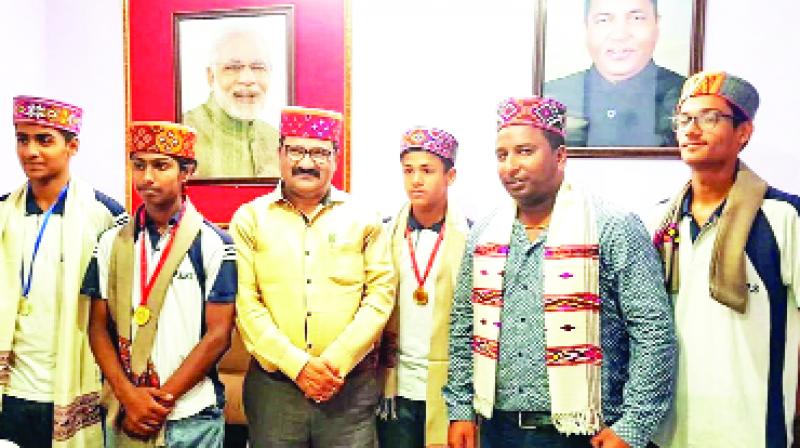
{"x": 413, "y": 224}
{"x": 639, "y": 80}
{"x": 686, "y": 206}
{"x": 32, "y": 208}
{"x": 333, "y": 196}
{"x": 149, "y": 224}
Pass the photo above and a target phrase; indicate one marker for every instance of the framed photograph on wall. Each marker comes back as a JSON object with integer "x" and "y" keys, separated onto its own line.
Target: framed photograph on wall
{"x": 170, "y": 45}
{"x": 618, "y": 66}
{"x": 234, "y": 72}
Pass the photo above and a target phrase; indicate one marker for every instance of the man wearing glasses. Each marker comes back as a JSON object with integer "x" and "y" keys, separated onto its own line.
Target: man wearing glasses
{"x": 316, "y": 288}
{"x": 731, "y": 253}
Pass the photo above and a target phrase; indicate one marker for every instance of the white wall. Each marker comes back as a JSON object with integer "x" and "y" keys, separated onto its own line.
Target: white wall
{"x": 405, "y": 74}
{"x": 765, "y": 54}
{"x": 437, "y": 62}
{"x": 23, "y": 55}
{"x": 69, "y": 50}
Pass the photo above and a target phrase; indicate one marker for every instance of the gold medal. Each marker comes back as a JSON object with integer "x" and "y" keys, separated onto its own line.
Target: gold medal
{"x": 420, "y": 296}
{"x": 141, "y": 315}
{"x": 25, "y": 307}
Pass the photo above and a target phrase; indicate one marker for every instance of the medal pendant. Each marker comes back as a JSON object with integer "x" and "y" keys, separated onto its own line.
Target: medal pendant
{"x": 25, "y": 307}
{"x": 420, "y": 296}
{"x": 141, "y": 315}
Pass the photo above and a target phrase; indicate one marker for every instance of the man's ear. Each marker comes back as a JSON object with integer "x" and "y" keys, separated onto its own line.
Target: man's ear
{"x": 73, "y": 145}
{"x": 210, "y": 76}
{"x": 743, "y": 133}
{"x": 450, "y": 175}
{"x": 561, "y": 156}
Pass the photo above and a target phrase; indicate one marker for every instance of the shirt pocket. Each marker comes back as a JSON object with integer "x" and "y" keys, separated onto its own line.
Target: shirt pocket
{"x": 346, "y": 263}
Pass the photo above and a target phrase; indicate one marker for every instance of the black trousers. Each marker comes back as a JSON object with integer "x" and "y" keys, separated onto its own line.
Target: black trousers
{"x": 29, "y": 424}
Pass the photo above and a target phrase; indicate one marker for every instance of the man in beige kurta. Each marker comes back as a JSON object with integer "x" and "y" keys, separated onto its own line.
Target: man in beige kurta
{"x": 49, "y": 383}
{"x": 427, "y": 245}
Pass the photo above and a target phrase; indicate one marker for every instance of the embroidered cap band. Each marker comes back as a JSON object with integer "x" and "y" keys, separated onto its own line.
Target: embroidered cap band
{"x": 162, "y": 137}
{"x": 539, "y": 112}
{"x": 47, "y": 112}
{"x": 433, "y": 140}
{"x": 738, "y": 92}
{"x": 306, "y": 122}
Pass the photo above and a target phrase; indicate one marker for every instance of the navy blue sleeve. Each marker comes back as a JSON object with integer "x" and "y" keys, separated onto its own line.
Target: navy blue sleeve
{"x": 225, "y": 285}
{"x": 113, "y": 206}
{"x": 91, "y": 280}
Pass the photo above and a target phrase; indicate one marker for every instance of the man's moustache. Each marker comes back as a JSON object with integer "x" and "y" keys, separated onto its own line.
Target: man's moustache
{"x": 296, "y": 171}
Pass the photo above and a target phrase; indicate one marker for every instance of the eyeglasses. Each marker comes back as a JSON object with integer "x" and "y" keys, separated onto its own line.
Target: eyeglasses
{"x": 318, "y": 155}
{"x": 706, "y": 120}
{"x": 234, "y": 68}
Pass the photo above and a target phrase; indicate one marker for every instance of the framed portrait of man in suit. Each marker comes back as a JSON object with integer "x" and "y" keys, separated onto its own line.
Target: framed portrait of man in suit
{"x": 618, "y": 66}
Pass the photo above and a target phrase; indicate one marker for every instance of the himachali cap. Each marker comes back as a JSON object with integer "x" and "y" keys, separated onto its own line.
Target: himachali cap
{"x": 162, "y": 137}
{"x": 735, "y": 90}
{"x": 539, "y": 112}
{"x": 433, "y": 140}
{"x": 306, "y": 122}
{"x": 47, "y": 112}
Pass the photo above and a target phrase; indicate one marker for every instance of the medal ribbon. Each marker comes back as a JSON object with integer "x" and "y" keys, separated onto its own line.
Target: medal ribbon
{"x": 26, "y": 286}
{"x": 411, "y": 252}
{"x": 144, "y": 284}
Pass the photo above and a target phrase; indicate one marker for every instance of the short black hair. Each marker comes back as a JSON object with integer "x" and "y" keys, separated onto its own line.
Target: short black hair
{"x": 448, "y": 164}
{"x": 587, "y": 3}
{"x": 739, "y": 116}
{"x": 68, "y": 135}
{"x": 184, "y": 163}
{"x": 555, "y": 139}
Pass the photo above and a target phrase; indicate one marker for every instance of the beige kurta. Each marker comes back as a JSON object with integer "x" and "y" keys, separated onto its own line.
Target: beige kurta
{"x": 452, "y": 250}
{"x": 76, "y": 383}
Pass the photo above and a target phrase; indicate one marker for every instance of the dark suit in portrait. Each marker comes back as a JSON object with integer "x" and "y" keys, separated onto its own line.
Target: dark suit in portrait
{"x": 631, "y": 112}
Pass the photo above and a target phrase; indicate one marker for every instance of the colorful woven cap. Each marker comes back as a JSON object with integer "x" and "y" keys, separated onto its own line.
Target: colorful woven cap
{"x": 433, "y": 140}
{"x": 47, "y": 112}
{"x": 539, "y": 112}
{"x": 735, "y": 90}
{"x": 162, "y": 137}
{"x": 307, "y": 122}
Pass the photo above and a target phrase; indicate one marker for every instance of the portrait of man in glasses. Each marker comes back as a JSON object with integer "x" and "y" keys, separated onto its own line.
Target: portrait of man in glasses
{"x": 234, "y": 136}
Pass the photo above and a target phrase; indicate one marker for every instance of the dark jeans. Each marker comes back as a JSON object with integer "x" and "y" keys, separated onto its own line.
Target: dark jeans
{"x": 503, "y": 431}
{"x": 279, "y": 416}
{"x": 407, "y": 430}
{"x": 29, "y": 424}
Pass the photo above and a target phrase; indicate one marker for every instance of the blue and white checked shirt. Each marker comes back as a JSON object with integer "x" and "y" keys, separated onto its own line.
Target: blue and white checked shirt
{"x": 636, "y": 325}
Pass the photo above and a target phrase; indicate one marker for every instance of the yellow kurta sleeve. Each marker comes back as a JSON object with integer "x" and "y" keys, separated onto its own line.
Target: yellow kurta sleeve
{"x": 361, "y": 334}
